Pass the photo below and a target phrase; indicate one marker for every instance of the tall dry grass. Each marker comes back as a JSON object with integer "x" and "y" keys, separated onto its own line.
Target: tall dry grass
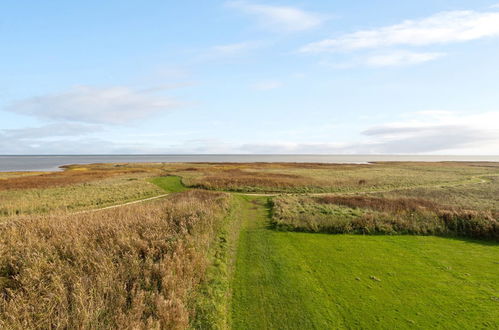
{"x": 243, "y": 180}
{"x": 374, "y": 215}
{"x": 135, "y": 267}
{"x": 65, "y": 178}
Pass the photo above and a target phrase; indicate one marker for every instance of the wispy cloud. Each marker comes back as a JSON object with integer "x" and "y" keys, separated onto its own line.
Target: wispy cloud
{"x": 400, "y": 58}
{"x": 282, "y": 18}
{"x": 266, "y": 85}
{"x": 49, "y": 131}
{"x": 396, "y": 58}
{"x": 111, "y": 105}
{"x": 442, "y": 28}
{"x": 52, "y": 138}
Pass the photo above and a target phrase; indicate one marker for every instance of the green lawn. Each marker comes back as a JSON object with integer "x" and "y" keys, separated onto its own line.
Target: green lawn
{"x": 169, "y": 183}
{"x": 286, "y": 280}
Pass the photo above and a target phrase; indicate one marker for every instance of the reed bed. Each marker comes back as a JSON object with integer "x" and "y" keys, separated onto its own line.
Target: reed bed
{"x": 374, "y": 215}
{"x": 135, "y": 267}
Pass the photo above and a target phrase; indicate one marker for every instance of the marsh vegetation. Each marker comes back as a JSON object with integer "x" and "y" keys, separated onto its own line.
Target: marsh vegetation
{"x": 209, "y": 255}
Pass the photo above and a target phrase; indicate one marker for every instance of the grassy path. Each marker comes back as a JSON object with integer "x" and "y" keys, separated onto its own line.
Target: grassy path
{"x": 289, "y": 280}
{"x": 170, "y": 184}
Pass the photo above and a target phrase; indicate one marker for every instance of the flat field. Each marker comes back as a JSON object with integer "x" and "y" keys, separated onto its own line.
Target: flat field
{"x": 279, "y": 246}
{"x": 320, "y": 281}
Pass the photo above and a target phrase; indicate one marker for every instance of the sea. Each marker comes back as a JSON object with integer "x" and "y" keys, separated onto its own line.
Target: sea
{"x": 53, "y": 162}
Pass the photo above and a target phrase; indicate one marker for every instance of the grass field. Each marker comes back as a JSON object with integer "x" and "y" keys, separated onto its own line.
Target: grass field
{"x": 320, "y": 281}
{"x": 95, "y": 194}
{"x": 307, "y": 178}
{"x": 280, "y": 259}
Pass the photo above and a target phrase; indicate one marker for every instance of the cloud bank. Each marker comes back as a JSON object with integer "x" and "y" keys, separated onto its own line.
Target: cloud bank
{"x": 427, "y": 132}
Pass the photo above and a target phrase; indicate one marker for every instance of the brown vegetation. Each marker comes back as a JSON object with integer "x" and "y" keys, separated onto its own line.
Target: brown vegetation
{"x": 135, "y": 267}
{"x": 60, "y": 179}
{"x": 237, "y": 179}
{"x": 393, "y": 205}
{"x": 373, "y": 215}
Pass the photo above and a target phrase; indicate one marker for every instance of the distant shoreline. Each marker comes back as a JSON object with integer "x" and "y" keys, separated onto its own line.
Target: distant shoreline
{"x": 15, "y": 163}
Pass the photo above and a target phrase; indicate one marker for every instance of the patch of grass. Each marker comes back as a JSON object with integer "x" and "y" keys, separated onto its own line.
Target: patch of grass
{"x": 317, "y": 281}
{"x": 81, "y": 196}
{"x": 212, "y": 303}
{"x": 170, "y": 184}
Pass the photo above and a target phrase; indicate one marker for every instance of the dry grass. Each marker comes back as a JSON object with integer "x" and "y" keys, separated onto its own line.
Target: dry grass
{"x": 242, "y": 180}
{"x": 374, "y": 215}
{"x": 93, "y": 194}
{"x": 302, "y": 178}
{"x": 481, "y": 196}
{"x": 393, "y": 205}
{"x": 135, "y": 267}
{"x": 61, "y": 179}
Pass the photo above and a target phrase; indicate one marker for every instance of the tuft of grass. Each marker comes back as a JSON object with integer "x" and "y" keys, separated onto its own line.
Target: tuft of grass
{"x": 170, "y": 183}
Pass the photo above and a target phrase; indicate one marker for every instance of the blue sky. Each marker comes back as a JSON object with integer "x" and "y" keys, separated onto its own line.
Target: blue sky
{"x": 338, "y": 77}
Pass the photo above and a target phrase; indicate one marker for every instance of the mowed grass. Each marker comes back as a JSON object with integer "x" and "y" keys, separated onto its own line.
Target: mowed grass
{"x": 286, "y": 280}
{"x": 169, "y": 183}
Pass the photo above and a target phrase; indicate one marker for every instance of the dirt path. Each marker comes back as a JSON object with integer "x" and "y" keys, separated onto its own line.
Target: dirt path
{"x": 124, "y": 204}
{"x": 481, "y": 180}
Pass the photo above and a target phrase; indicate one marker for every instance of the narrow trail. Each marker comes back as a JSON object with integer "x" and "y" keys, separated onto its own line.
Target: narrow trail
{"x": 120, "y": 205}
{"x": 481, "y": 180}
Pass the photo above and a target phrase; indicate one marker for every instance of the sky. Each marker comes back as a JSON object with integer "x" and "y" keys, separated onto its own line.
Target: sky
{"x": 249, "y": 77}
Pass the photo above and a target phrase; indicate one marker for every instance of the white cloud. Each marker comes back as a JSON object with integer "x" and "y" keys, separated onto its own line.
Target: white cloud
{"x": 283, "y": 18}
{"x": 52, "y": 138}
{"x": 266, "y": 85}
{"x": 49, "y": 131}
{"x": 113, "y": 105}
{"x": 445, "y": 27}
{"x": 427, "y": 132}
{"x": 400, "y": 58}
{"x": 438, "y": 131}
{"x": 386, "y": 59}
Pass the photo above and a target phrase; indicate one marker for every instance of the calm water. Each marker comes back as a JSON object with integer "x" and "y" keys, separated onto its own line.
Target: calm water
{"x": 51, "y": 163}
